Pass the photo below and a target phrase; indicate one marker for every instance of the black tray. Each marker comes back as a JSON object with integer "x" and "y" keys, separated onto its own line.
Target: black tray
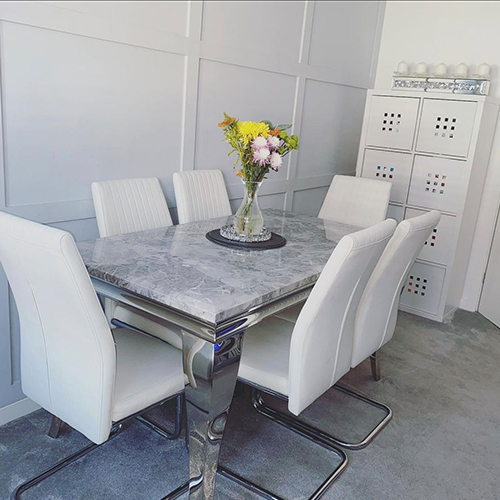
{"x": 276, "y": 241}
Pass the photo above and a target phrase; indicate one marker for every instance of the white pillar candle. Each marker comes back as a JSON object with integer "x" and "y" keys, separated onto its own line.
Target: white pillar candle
{"x": 461, "y": 70}
{"x": 403, "y": 68}
{"x": 483, "y": 70}
{"x": 440, "y": 70}
{"x": 421, "y": 69}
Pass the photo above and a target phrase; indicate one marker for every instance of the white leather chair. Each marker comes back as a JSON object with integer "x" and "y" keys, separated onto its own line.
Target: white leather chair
{"x": 129, "y": 205}
{"x": 357, "y": 201}
{"x": 301, "y": 361}
{"x": 200, "y": 195}
{"x": 378, "y": 308}
{"x": 71, "y": 363}
{"x": 125, "y": 206}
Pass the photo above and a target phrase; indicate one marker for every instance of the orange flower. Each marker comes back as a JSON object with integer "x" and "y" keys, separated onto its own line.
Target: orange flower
{"x": 227, "y": 122}
{"x": 275, "y": 131}
{"x": 240, "y": 174}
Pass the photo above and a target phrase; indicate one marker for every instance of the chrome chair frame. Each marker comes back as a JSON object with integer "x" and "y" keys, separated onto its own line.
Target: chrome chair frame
{"x": 318, "y": 435}
{"x": 55, "y": 428}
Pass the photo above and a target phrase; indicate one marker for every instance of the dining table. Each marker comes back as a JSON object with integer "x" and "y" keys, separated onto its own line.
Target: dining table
{"x": 210, "y": 295}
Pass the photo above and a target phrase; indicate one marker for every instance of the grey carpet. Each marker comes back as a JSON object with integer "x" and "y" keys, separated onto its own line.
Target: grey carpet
{"x": 441, "y": 380}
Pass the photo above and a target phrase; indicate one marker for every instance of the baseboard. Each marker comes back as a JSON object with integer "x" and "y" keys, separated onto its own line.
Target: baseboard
{"x": 16, "y": 410}
{"x": 468, "y": 304}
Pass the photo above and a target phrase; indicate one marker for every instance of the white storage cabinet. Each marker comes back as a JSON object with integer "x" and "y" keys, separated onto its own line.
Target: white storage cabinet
{"x": 435, "y": 150}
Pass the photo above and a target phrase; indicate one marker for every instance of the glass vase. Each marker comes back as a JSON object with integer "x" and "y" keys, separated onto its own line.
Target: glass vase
{"x": 248, "y": 221}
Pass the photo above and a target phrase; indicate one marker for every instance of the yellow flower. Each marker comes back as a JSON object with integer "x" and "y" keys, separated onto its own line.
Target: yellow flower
{"x": 250, "y": 130}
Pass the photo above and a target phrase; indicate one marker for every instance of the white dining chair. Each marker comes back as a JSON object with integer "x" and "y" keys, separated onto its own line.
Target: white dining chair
{"x": 129, "y": 205}
{"x": 72, "y": 364}
{"x": 378, "y": 307}
{"x": 200, "y": 195}
{"x": 356, "y": 201}
{"x": 124, "y": 206}
{"x": 300, "y": 362}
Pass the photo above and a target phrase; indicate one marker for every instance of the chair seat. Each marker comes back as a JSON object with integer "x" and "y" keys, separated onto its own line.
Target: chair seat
{"x": 291, "y": 314}
{"x": 147, "y": 371}
{"x": 148, "y": 325}
{"x": 265, "y": 354}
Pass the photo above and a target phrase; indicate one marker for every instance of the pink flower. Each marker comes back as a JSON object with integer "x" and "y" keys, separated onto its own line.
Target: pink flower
{"x": 259, "y": 142}
{"x": 273, "y": 142}
{"x": 276, "y": 161}
{"x": 261, "y": 156}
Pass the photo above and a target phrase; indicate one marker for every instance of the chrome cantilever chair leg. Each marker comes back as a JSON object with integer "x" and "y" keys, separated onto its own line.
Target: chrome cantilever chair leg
{"x": 173, "y": 495}
{"x": 304, "y": 432}
{"x": 375, "y": 365}
{"x": 180, "y": 398}
{"x": 16, "y": 494}
{"x": 55, "y": 427}
{"x": 179, "y": 406}
{"x": 317, "y": 434}
{"x": 115, "y": 430}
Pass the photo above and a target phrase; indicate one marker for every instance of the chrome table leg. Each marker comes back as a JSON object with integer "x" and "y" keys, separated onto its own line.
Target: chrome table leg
{"x": 214, "y": 370}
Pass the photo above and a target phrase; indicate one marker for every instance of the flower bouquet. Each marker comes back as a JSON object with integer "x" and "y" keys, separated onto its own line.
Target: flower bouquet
{"x": 260, "y": 147}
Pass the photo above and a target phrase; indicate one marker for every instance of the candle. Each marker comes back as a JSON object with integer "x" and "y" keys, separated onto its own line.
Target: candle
{"x": 440, "y": 70}
{"x": 403, "y": 68}
{"x": 421, "y": 69}
{"x": 461, "y": 70}
{"x": 483, "y": 70}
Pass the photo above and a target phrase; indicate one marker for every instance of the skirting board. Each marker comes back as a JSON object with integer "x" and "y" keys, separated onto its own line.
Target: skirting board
{"x": 16, "y": 410}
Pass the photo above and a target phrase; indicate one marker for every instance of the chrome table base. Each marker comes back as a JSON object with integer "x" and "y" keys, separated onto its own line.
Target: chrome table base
{"x": 208, "y": 397}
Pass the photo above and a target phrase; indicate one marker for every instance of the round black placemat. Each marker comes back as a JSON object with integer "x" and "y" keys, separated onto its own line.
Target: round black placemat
{"x": 276, "y": 241}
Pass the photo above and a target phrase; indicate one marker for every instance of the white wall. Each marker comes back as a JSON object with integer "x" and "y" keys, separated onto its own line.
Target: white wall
{"x": 104, "y": 90}
{"x": 450, "y": 32}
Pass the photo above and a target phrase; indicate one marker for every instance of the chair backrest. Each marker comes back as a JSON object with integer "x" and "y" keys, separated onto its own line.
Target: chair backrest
{"x": 200, "y": 195}
{"x": 378, "y": 307}
{"x": 129, "y": 205}
{"x": 321, "y": 344}
{"x": 68, "y": 358}
{"x": 357, "y": 201}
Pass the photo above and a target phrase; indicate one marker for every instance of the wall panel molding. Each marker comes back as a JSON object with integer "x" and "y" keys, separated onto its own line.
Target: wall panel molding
{"x": 183, "y": 32}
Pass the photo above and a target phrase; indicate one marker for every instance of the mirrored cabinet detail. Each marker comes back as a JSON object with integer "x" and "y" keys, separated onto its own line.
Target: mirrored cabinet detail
{"x": 434, "y": 149}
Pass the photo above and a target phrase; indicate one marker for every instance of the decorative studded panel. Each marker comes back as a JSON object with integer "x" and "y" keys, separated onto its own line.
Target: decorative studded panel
{"x": 446, "y": 127}
{"x": 392, "y": 122}
{"x": 423, "y": 287}
{"x": 437, "y": 247}
{"x": 392, "y": 167}
{"x": 438, "y": 183}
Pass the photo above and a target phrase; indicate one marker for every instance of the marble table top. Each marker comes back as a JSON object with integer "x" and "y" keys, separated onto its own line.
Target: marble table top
{"x": 178, "y": 267}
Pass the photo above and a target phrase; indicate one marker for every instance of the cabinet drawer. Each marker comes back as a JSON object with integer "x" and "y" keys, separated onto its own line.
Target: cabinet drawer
{"x": 392, "y": 122}
{"x": 446, "y": 127}
{"x": 389, "y": 166}
{"x": 437, "y": 247}
{"x": 438, "y": 183}
{"x": 423, "y": 288}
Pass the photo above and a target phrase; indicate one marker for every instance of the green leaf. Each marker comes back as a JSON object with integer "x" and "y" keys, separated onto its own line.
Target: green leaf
{"x": 269, "y": 124}
{"x": 283, "y": 127}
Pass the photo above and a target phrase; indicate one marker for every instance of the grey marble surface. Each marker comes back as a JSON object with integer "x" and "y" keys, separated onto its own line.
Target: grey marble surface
{"x": 177, "y": 266}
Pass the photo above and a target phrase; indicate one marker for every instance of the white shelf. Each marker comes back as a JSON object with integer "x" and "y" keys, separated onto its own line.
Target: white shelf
{"x": 436, "y": 155}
